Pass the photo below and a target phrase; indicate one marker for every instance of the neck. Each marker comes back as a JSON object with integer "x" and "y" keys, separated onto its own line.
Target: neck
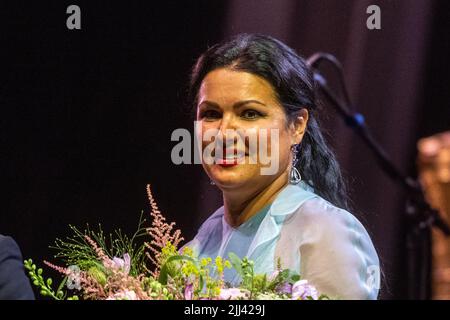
{"x": 239, "y": 205}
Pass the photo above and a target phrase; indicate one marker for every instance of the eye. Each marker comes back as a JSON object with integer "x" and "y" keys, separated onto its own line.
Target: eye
{"x": 251, "y": 114}
{"x": 210, "y": 115}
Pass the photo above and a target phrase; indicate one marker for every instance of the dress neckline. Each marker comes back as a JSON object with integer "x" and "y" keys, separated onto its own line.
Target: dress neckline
{"x": 255, "y": 219}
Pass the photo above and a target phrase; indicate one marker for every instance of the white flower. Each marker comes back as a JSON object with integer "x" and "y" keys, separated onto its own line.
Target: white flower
{"x": 123, "y": 264}
{"x": 124, "y": 295}
{"x": 232, "y": 294}
{"x": 268, "y": 296}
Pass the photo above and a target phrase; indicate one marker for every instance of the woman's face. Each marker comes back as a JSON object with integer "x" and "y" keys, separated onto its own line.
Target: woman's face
{"x": 232, "y": 104}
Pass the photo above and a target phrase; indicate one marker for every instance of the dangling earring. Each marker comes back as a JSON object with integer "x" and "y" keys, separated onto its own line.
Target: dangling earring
{"x": 294, "y": 174}
{"x": 212, "y": 183}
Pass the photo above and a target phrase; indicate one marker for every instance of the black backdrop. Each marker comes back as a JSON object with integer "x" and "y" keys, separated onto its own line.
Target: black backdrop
{"x": 86, "y": 115}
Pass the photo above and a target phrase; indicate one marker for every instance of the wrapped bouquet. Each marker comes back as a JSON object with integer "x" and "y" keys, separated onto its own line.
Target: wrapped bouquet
{"x": 150, "y": 266}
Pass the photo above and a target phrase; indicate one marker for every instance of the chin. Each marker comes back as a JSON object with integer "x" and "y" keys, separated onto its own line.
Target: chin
{"x": 229, "y": 183}
{"x": 232, "y": 176}
{"x": 228, "y": 179}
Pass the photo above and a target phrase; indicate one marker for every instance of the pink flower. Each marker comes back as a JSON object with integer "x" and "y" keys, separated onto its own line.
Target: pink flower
{"x": 188, "y": 291}
{"x": 123, "y": 264}
{"x": 274, "y": 275}
{"x": 284, "y": 287}
{"x": 301, "y": 290}
{"x": 232, "y": 294}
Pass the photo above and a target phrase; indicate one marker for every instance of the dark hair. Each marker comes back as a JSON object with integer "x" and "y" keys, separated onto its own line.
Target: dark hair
{"x": 293, "y": 84}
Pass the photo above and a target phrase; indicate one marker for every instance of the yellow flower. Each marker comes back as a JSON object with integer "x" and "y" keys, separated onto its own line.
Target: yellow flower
{"x": 188, "y": 251}
{"x": 219, "y": 264}
{"x": 205, "y": 261}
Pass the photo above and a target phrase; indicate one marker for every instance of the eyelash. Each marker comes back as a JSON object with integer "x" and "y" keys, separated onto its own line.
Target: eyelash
{"x": 205, "y": 113}
{"x": 257, "y": 113}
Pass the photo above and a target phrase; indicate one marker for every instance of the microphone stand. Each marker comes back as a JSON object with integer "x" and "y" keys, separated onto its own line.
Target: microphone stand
{"x": 420, "y": 215}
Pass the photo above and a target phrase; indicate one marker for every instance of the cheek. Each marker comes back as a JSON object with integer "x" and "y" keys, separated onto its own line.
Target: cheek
{"x": 281, "y": 147}
{"x": 205, "y": 133}
{"x": 277, "y": 136}
{"x": 285, "y": 155}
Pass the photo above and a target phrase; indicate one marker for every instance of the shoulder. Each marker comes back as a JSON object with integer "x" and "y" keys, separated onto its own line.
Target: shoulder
{"x": 212, "y": 222}
{"x": 302, "y": 207}
{"x": 323, "y": 222}
{"x": 210, "y": 227}
{"x": 13, "y": 282}
{"x": 319, "y": 210}
{"x": 8, "y": 248}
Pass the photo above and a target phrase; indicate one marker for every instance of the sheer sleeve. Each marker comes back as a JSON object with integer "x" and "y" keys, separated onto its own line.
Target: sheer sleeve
{"x": 336, "y": 252}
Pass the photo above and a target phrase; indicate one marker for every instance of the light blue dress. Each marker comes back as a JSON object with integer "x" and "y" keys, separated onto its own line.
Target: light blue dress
{"x": 327, "y": 245}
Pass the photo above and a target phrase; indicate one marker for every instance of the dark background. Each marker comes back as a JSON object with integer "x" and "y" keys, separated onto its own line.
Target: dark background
{"x": 86, "y": 115}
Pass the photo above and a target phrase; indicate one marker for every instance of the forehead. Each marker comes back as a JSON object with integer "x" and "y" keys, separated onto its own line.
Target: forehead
{"x": 226, "y": 86}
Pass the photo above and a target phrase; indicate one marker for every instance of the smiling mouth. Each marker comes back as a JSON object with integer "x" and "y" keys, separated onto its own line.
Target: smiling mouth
{"x": 231, "y": 158}
{"x": 229, "y": 161}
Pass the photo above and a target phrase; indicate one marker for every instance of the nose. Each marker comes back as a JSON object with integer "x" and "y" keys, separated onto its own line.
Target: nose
{"x": 228, "y": 135}
{"x": 227, "y": 121}
{"x": 227, "y": 128}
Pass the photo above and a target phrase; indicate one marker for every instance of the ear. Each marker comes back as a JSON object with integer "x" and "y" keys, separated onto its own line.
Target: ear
{"x": 298, "y": 126}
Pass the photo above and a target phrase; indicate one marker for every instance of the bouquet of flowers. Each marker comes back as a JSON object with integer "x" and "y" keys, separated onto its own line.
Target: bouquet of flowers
{"x": 118, "y": 268}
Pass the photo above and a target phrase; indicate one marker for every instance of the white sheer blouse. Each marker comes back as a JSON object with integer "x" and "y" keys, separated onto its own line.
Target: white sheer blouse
{"x": 326, "y": 245}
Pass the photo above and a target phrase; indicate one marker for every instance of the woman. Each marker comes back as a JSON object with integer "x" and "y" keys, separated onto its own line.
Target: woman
{"x": 296, "y": 215}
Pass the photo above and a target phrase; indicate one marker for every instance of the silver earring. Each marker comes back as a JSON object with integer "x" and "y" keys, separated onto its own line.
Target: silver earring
{"x": 212, "y": 183}
{"x": 294, "y": 174}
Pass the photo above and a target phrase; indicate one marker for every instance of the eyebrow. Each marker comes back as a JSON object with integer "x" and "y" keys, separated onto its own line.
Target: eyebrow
{"x": 235, "y": 105}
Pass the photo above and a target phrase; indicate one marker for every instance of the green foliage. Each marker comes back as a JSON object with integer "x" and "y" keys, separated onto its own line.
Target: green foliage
{"x": 45, "y": 286}
{"x": 170, "y": 268}
{"x": 259, "y": 284}
{"x": 98, "y": 272}
{"x": 178, "y": 272}
{"x": 75, "y": 250}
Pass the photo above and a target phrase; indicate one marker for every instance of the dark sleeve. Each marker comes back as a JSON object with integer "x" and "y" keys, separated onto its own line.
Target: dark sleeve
{"x": 14, "y": 284}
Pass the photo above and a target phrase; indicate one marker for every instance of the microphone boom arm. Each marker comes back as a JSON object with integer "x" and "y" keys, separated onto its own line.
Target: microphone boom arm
{"x": 356, "y": 121}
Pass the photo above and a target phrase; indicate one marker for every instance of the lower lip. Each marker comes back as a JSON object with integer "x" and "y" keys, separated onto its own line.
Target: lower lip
{"x": 228, "y": 162}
